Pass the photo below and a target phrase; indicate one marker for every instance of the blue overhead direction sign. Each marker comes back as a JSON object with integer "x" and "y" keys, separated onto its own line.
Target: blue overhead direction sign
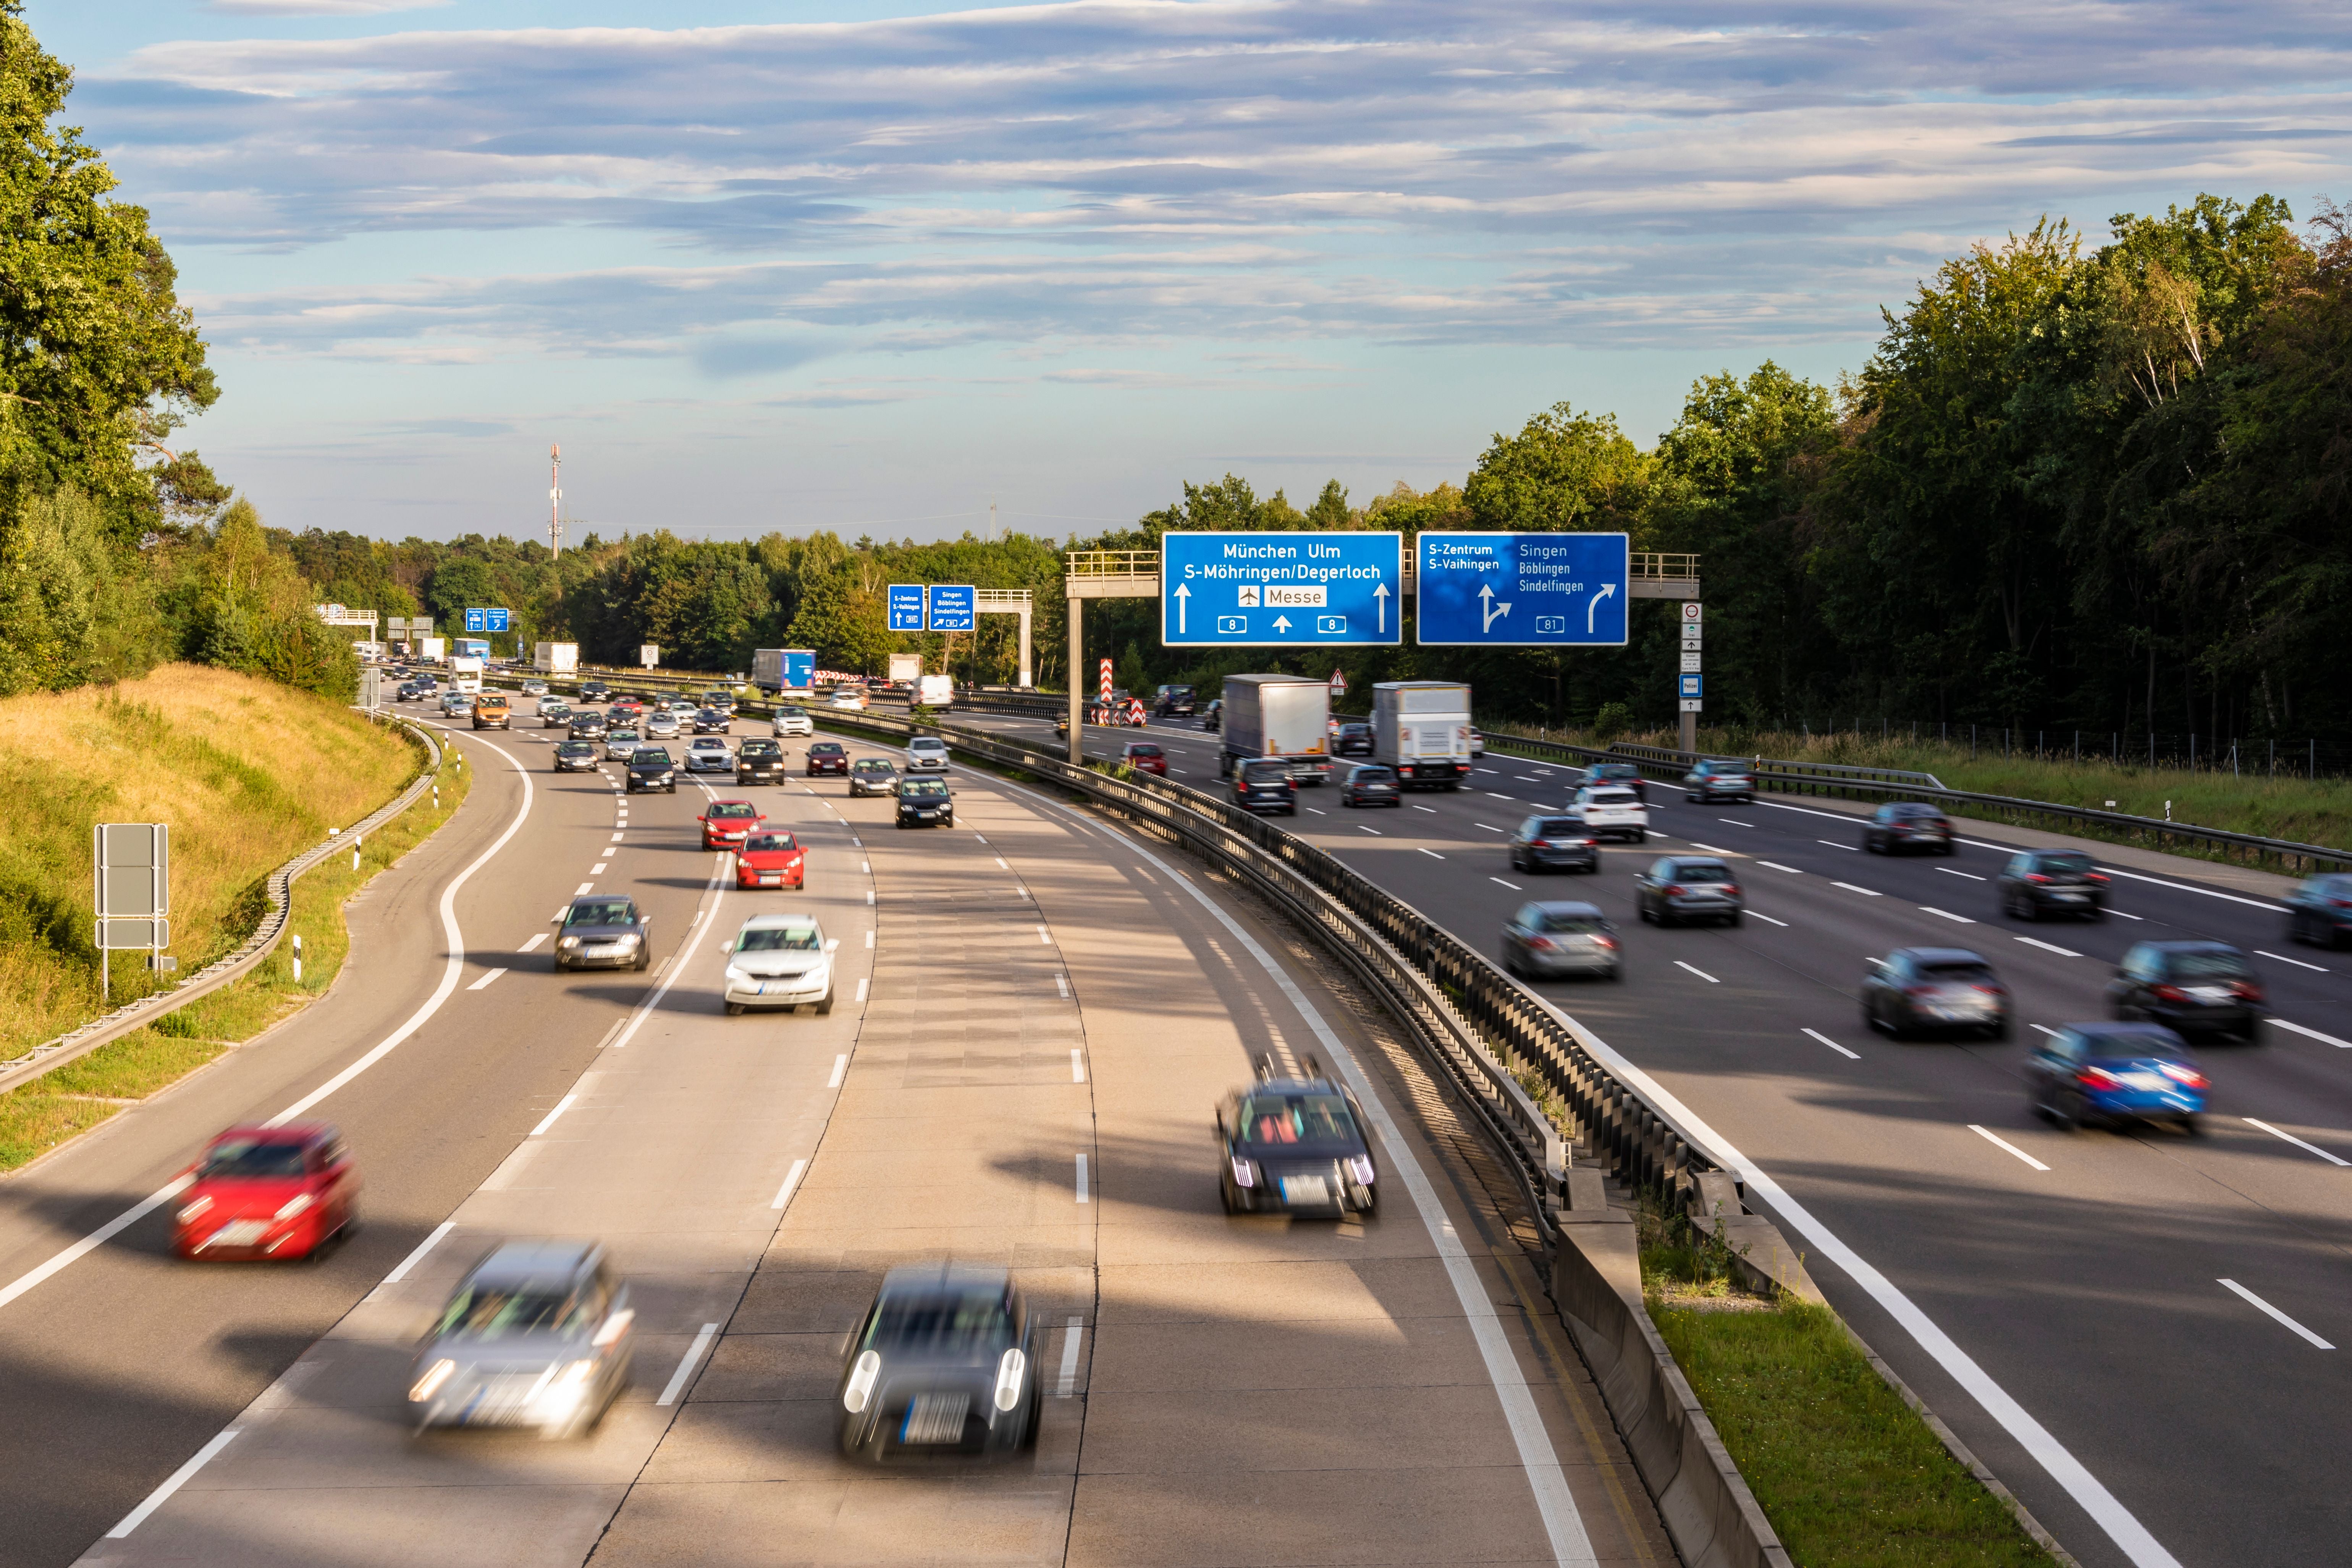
{"x": 952, "y": 607}
{"x": 906, "y": 606}
{"x": 1274, "y": 590}
{"x": 1521, "y": 590}
{"x": 486, "y": 620}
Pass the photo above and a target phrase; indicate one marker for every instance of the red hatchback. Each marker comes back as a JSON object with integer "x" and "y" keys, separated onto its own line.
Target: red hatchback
{"x": 770, "y": 858}
{"x": 267, "y": 1191}
{"x": 728, "y": 822}
{"x": 1145, "y": 756}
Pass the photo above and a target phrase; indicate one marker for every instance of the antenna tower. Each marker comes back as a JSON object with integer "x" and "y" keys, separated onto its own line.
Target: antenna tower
{"x": 555, "y": 501}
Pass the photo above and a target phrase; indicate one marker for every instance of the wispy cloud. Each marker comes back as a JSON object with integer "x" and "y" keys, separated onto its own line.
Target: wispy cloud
{"x": 319, "y": 7}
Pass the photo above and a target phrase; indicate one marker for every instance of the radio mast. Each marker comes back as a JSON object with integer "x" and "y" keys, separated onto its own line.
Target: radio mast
{"x": 555, "y": 501}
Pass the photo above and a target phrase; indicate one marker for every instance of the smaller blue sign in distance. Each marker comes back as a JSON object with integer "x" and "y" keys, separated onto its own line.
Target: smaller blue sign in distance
{"x": 906, "y": 606}
{"x": 951, "y": 608}
{"x": 481, "y": 620}
{"x": 1281, "y": 590}
{"x": 1521, "y": 590}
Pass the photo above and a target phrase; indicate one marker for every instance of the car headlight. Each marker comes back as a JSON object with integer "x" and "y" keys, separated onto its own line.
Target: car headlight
{"x": 425, "y": 1387}
{"x": 1360, "y": 1167}
{"x": 190, "y": 1213}
{"x": 295, "y": 1205}
{"x": 567, "y": 942}
{"x": 630, "y": 940}
{"x": 1009, "y": 1368}
{"x": 861, "y": 1381}
{"x": 735, "y": 973}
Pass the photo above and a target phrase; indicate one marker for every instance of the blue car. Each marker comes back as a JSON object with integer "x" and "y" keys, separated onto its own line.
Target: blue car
{"x": 2115, "y": 1073}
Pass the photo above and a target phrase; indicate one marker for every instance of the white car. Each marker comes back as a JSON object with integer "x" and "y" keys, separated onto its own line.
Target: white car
{"x": 926, "y": 754}
{"x": 621, "y": 744}
{"x": 1611, "y": 811}
{"x": 850, "y": 699}
{"x": 793, "y": 722}
{"x": 780, "y": 960}
{"x": 708, "y": 754}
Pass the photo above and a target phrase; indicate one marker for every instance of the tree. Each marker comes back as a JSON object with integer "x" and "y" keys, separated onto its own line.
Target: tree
{"x": 455, "y": 587}
{"x": 1562, "y": 470}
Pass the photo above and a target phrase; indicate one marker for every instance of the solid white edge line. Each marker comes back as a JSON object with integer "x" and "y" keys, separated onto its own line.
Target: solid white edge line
{"x": 1702, "y": 974}
{"x": 2261, "y": 1305}
{"x": 1832, "y": 1044}
{"x": 94, "y": 1240}
{"x": 1082, "y": 1179}
{"x": 840, "y": 1070}
{"x": 2186, "y": 888}
{"x": 686, "y": 1366}
{"x": 792, "y": 1180}
{"x": 566, "y": 1103}
{"x": 2279, "y": 1022}
{"x": 2298, "y": 1142}
{"x": 414, "y": 1258}
{"x": 1998, "y": 1142}
{"x": 178, "y": 1478}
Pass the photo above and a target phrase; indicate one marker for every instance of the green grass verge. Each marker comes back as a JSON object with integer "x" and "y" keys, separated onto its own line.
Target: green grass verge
{"x": 37, "y": 1117}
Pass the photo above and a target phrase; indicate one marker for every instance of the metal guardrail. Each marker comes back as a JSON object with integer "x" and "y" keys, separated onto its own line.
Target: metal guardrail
{"x": 279, "y": 889}
{"x": 1771, "y": 767}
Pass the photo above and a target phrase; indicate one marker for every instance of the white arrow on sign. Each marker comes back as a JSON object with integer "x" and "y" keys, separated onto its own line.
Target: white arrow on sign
{"x": 1182, "y": 594}
{"x": 1381, "y": 594}
{"x": 1282, "y": 623}
{"x": 1593, "y": 608}
{"x": 1488, "y": 595}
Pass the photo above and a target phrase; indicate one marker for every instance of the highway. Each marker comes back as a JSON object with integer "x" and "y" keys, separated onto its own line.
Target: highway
{"x": 2084, "y": 1272}
{"x": 1035, "y": 1015}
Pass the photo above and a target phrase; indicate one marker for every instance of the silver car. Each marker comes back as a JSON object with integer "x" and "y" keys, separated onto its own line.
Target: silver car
{"x": 539, "y": 1334}
{"x": 661, "y": 726}
{"x": 621, "y": 743}
{"x": 1547, "y": 938}
{"x": 793, "y": 722}
{"x": 926, "y": 754}
{"x": 708, "y": 754}
{"x": 1678, "y": 887}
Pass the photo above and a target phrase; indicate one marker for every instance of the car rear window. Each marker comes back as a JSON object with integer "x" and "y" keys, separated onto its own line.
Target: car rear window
{"x": 1143, "y": 751}
{"x": 2065, "y": 861}
{"x": 1265, "y": 772}
{"x": 1554, "y": 920}
{"x": 1297, "y": 1119}
{"x": 760, "y": 841}
{"x": 1568, "y": 826}
{"x": 1610, "y": 797}
{"x": 2132, "y": 1047}
{"x": 779, "y": 939}
{"x": 602, "y": 913}
{"x": 1955, "y": 973}
{"x": 1700, "y": 871}
{"x": 249, "y": 1158}
{"x": 1373, "y": 775}
{"x": 2208, "y": 966}
{"x": 1915, "y": 813}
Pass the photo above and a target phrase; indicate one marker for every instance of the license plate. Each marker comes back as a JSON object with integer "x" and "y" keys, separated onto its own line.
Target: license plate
{"x": 2069, "y": 897}
{"x": 239, "y": 1233}
{"x": 935, "y": 1418}
{"x": 1306, "y": 1190}
{"x": 2144, "y": 1080}
{"x": 769, "y": 879}
{"x": 2208, "y": 993}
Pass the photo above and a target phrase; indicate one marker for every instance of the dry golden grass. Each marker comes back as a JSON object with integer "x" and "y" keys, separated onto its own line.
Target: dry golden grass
{"x": 248, "y": 772}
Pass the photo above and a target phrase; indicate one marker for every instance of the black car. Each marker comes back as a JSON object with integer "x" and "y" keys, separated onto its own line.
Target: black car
{"x": 1554, "y": 844}
{"x": 1624, "y": 775}
{"x": 1174, "y": 702}
{"x": 2052, "y": 881}
{"x": 587, "y": 727}
{"x": 1370, "y": 783}
{"x": 1907, "y": 825}
{"x": 711, "y": 722}
{"x": 1353, "y": 740}
{"x": 650, "y": 768}
{"x": 1679, "y": 888}
{"x": 595, "y": 691}
{"x": 1912, "y": 990}
{"x": 2319, "y": 910}
{"x": 603, "y": 931}
{"x": 924, "y": 803}
{"x": 1717, "y": 778}
{"x": 1292, "y": 1145}
{"x": 945, "y": 1362}
{"x": 2190, "y": 988}
{"x": 577, "y": 757}
{"x": 759, "y": 761}
{"x": 1263, "y": 783}
{"x": 827, "y": 757}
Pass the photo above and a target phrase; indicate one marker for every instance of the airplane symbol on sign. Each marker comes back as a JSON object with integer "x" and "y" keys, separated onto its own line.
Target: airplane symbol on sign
{"x": 1249, "y": 597}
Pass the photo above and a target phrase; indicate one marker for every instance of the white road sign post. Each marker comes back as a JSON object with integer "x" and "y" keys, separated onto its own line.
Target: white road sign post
{"x": 131, "y": 871}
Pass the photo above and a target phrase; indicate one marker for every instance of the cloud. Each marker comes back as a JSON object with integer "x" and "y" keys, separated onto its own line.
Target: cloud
{"x": 319, "y": 7}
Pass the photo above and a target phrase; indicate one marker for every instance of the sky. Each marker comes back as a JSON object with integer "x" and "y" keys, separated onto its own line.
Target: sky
{"x": 869, "y": 267}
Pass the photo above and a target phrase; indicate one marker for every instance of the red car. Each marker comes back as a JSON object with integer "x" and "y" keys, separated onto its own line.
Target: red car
{"x": 770, "y": 858}
{"x": 1145, "y": 756}
{"x": 728, "y": 822}
{"x": 267, "y": 1191}
{"x": 828, "y": 757}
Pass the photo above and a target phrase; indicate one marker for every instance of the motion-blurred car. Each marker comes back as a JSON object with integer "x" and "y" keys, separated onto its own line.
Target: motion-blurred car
{"x": 1370, "y": 783}
{"x": 1907, "y": 825}
{"x": 1915, "y": 990}
{"x": 944, "y": 1363}
{"x": 2052, "y": 881}
{"x": 827, "y": 757}
{"x": 1477, "y": 742}
{"x": 848, "y": 699}
{"x": 728, "y": 822}
{"x": 926, "y": 754}
{"x": 539, "y": 1333}
{"x": 770, "y": 858}
{"x": 652, "y": 768}
{"x": 708, "y": 754}
{"x": 873, "y": 775}
{"x": 1173, "y": 701}
{"x": 1611, "y": 811}
{"x": 1295, "y": 1144}
{"x": 662, "y": 727}
{"x": 1145, "y": 756}
{"x": 1213, "y": 716}
{"x": 719, "y": 700}
{"x": 553, "y": 711}
{"x": 1353, "y": 740}
{"x": 779, "y": 961}
{"x": 792, "y": 721}
{"x": 602, "y": 930}
{"x": 1263, "y": 783}
{"x": 595, "y": 691}
{"x": 924, "y": 803}
{"x": 267, "y": 1191}
{"x": 533, "y": 687}
{"x": 1544, "y": 940}
{"x": 1717, "y": 778}
{"x": 455, "y": 704}
{"x": 711, "y": 722}
{"x": 2115, "y": 1073}
{"x": 759, "y": 761}
{"x": 1554, "y": 844}
{"x": 586, "y": 726}
{"x": 1674, "y": 890}
{"x": 2189, "y": 987}
{"x": 621, "y": 743}
{"x": 1624, "y": 774}
{"x": 577, "y": 756}
{"x": 2319, "y": 910}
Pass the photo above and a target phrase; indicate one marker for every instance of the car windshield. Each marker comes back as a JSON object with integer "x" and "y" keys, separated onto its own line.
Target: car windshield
{"x": 926, "y": 746}
{"x": 1699, "y": 871}
{"x": 734, "y": 809}
{"x": 598, "y": 912}
{"x": 1297, "y": 1119}
{"x": 825, "y": 749}
{"x": 759, "y": 749}
{"x": 779, "y": 939}
{"x": 652, "y": 757}
{"x": 923, "y": 789}
{"x": 792, "y": 713}
{"x": 486, "y": 1313}
{"x": 2075, "y": 864}
{"x": 2209, "y": 964}
{"x": 708, "y": 743}
{"x": 246, "y": 1157}
{"x": 575, "y": 749}
{"x": 758, "y": 841}
{"x": 940, "y": 1324}
{"x": 1553, "y": 920}
{"x": 622, "y": 737}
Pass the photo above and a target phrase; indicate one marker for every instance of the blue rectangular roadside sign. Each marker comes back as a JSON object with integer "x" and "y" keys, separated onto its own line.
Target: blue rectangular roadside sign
{"x": 951, "y": 607}
{"x": 1521, "y": 590}
{"x": 1277, "y": 590}
{"x": 1688, "y": 686}
{"x": 906, "y": 606}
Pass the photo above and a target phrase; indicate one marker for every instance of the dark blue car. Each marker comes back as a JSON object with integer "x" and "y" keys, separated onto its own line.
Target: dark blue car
{"x": 2115, "y": 1073}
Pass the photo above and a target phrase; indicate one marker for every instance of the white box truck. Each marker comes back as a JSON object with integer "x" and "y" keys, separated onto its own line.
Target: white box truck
{"x": 555, "y": 657}
{"x": 429, "y": 649}
{"x": 934, "y": 692}
{"x": 1421, "y": 728}
{"x": 1285, "y": 716}
{"x": 906, "y": 669}
{"x": 466, "y": 673}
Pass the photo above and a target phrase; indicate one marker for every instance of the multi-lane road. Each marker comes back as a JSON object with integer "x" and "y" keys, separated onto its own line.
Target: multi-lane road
{"x": 2134, "y": 1330}
{"x": 1035, "y": 1015}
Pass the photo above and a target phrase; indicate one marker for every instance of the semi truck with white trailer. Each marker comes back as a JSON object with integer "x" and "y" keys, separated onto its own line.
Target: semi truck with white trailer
{"x": 906, "y": 669}
{"x": 1286, "y": 716}
{"x": 1421, "y": 728}
{"x": 784, "y": 671}
{"x": 555, "y": 657}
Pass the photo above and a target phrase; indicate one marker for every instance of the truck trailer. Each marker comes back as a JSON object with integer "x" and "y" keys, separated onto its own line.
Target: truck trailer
{"x": 555, "y": 657}
{"x": 1286, "y": 716}
{"x": 1421, "y": 728}
{"x": 906, "y": 669}
{"x": 784, "y": 671}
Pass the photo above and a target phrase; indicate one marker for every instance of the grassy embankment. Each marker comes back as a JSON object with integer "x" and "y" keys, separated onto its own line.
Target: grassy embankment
{"x": 248, "y": 774}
